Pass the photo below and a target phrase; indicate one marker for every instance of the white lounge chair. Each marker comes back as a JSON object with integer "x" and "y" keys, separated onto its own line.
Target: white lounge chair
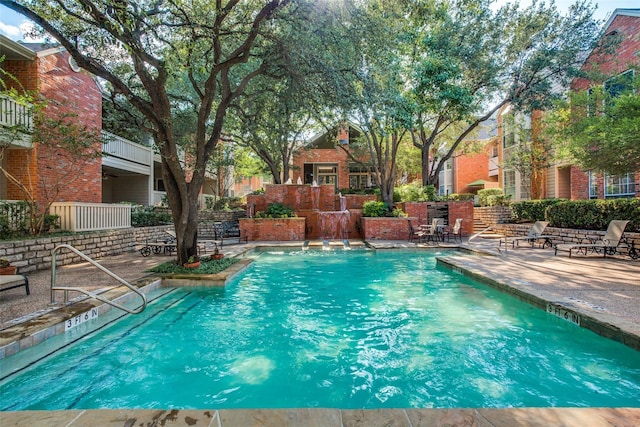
{"x": 608, "y": 244}
{"x": 534, "y": 234}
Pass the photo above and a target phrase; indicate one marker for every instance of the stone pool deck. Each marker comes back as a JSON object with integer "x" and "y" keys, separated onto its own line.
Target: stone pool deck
{"x": 604, "y": 292}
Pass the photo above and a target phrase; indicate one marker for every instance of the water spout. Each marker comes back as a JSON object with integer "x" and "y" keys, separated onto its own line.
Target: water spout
{"x": 305, "y": 245}
{"x": 325, "y": 245}
{"x": 346, "y": 245}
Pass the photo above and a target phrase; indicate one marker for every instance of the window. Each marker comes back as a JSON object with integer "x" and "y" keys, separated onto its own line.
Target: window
{"x": 620, "y": 84}
{"x": 619, "y": 185}
{"x": 359, "y": 176}
{"x": 593, "y": 185}
{"x": 508, "y": 130}
{"x": 510, "y": 183}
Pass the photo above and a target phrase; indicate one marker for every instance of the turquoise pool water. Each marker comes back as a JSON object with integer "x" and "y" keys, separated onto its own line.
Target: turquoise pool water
{"x": 342, "y": 329}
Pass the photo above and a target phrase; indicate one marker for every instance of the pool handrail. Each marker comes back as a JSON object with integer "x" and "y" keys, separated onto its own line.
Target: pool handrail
{"x": 66, "y": 289}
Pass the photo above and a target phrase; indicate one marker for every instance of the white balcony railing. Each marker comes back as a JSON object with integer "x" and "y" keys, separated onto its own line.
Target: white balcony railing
{"x": 13, "y": 114}
{"x": 77, "y": 216}
{"x": 122, "y": 148}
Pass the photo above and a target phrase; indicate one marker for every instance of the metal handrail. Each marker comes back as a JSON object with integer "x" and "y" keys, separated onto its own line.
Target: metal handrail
{"x": 479, "y": 233}
{"x": 66, "y": 289}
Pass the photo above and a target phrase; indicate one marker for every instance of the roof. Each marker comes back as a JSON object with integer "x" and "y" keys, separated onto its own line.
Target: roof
{"x": 477, "y": 183}
{"x": 619, "y": 12}
{"x": 14, "y": 50}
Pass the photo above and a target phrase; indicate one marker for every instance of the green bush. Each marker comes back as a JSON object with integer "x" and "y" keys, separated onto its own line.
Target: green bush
{"x": 415, "y": 192}
{"x": 374, "y": 209}
{"x": 147, "y": 216}
{"x": 276, "y": 210}
{"x": 532, "y": 210}
{"x": 461, "y": 197}
{"x": 225, "y": 204}
{"x": 594, "y": 214}
{"x": 493, "y": 197}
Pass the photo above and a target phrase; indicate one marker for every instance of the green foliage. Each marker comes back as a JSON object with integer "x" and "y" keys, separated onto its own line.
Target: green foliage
{"x": 415, "y": 192}
{"x": 493, "y": 197}
{"x": 225, "y": 204}
{"x": 258, "y": 191}
{"x": 276, "y": 210}
{"x": 207, "y": 266}
{"x": 359, "y": 191}
{"x": 398, "y": 213}
{"x": 147, "y": 216}
{"x": 594, "y": 214}
{"x": 374, "y": 209}
{"x": 461, "y": 197}
{"x": 532, "y": 210}
{"x": 597, "y": 131}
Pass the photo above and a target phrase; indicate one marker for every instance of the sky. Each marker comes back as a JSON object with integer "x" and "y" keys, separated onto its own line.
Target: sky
{"x": 14, "y": 25}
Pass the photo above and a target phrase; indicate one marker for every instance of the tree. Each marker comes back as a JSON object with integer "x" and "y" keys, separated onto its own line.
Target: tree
{"x": 597, "y": 131}
{"x": 143, "y": 49}
{"x": 466, "y": 62}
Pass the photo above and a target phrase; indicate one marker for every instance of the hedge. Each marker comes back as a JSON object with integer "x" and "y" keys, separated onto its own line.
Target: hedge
{"x": 594, "y": 214}
{"x": 532, "y": 210}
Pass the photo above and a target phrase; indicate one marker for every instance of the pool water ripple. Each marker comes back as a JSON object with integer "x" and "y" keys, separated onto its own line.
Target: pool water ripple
{"x": 354, "y": 329}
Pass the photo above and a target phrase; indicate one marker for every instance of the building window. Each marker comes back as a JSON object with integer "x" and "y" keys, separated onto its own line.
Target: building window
{"x": 593, "y": 185}
{"x": 508, "y": 130}
{"x": 510, "y": 183}
{"x": 360, "y": 176}
{"x": 619, "y": 185}
{"x": 620, "y": 84}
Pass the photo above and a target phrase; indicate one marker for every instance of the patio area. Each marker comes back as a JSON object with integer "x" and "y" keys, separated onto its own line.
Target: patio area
{"x": 605, "y": 292}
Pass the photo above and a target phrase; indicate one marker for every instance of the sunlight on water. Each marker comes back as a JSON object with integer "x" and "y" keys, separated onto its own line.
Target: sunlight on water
{"x": 335, "y": 329}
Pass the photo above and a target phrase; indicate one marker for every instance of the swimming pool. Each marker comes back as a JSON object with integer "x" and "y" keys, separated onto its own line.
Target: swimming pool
{"x": 343, "y": 329}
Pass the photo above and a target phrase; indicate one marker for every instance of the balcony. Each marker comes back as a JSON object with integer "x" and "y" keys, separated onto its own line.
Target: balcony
{"x": 16, "y": 119}
{"x": 123, "y": 154}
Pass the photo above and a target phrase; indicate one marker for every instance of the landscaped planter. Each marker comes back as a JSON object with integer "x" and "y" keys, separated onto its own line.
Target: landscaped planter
{"x": 272, "y": 229}
{"x": 383, "y": 228}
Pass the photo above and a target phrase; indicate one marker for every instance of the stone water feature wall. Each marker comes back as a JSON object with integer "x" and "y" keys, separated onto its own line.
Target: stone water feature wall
{"x": 327, "y": 215}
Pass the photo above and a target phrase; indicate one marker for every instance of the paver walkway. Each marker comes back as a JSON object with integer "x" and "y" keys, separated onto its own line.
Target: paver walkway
{"x": 607, "y": 290}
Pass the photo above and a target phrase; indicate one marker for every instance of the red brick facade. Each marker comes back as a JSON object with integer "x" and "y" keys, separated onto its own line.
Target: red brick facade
{"x": 625, "y": 58}
{"x": 66, "y": 91}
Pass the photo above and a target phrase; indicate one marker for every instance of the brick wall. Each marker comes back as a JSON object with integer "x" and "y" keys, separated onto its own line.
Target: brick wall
{"x": 315, "y": 155}
{"x": 471, "y": 167}
{"x": 273, "y": 229}
{"x": 386, "y": 228}
{"x": 26, "y": 72}
{"x": 68, "y": 91}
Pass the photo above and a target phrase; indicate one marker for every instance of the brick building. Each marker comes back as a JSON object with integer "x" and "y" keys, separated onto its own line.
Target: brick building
{"x": 50, "y": 171}
{"x": 569, "y": 181}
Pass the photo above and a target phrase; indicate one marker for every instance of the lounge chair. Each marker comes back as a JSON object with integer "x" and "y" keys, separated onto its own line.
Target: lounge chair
{"x": 454, "y": 232}
{"x": 534, "y": 234}
{"x": 11, "y": 281}
{"x": 608, "y": 244}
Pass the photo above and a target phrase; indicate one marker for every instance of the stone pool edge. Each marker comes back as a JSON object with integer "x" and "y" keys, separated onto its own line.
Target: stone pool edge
{"x": 611, "y": 328}
{"x": 480, "y": 417}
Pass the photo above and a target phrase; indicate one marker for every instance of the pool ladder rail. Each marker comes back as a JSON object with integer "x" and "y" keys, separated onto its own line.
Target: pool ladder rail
{"x": 67, "y": 289}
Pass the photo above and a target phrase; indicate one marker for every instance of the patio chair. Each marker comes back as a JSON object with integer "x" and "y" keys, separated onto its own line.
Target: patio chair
{"x": 608, "y": 244}
{"x": 433, "y": 232}
{"x": 11, "y": 281}
{"x": 455, "y": 231}
{"x": 534, "y": 234}
{"x": 415, "y": 234}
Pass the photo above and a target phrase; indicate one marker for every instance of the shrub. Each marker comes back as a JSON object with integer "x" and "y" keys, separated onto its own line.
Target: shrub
{"x": 493, "y": 197}
{"x": 147, "y": 216}
{"x": 594, "y": 214}
{"x": 461, "y": 197}
{"x": 276, "y": 210}
{"x": 532, "y": 210}
{"x": 415, "y": 192}
{"x": 374, "y": 209}
{"x": 225, "y": 204}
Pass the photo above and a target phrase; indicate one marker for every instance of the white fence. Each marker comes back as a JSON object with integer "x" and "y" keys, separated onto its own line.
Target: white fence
{"x": 76, "y": 216}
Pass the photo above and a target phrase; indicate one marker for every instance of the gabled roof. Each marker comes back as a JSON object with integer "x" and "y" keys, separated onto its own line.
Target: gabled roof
{"x": 620, "y": 12}
{"x": 15, "y": 51}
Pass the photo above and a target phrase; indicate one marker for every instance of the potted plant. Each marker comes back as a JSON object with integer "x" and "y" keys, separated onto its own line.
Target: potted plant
{"x": 192, "y": 262}
{"x": 217, "y": 254}
{"x": 6, "y": 268}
